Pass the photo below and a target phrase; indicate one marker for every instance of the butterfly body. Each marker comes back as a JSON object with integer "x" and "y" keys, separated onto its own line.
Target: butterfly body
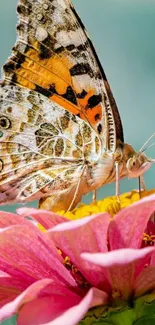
{"x": 60, "y": 131}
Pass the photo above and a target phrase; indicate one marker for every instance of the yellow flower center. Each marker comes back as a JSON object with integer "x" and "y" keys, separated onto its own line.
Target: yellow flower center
{"x": 110, "y": 204}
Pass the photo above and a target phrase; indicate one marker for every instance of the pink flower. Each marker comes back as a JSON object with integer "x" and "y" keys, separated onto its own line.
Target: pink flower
{"x": 56, "y": 277}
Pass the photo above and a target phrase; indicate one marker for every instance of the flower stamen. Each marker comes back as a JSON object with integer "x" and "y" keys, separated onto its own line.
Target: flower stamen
{"x": 148, "y": 240}
{"x": 77, "y": 275}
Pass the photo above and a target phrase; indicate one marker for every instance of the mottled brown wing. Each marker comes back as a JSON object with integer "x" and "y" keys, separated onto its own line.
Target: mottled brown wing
{"x": 43, "y": 148}
{"x": 54, "y": 56}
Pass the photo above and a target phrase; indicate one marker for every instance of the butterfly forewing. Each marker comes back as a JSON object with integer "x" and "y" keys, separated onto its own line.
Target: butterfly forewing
{"x": 57, "y": 109}
{"x": 54, "y": 56}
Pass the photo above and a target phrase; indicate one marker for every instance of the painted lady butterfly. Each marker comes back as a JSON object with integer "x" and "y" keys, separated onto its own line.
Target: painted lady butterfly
{"x": 60, "y": 131}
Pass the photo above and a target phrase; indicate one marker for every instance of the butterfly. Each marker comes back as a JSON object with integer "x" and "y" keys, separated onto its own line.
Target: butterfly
{"x": 61, "y": 134}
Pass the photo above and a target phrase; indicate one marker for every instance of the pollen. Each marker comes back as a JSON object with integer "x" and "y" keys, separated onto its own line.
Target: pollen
{"x": 67, "y": 262}
{"x": 148, "y": 240}
{"x": 41, "y": 227}
{"x": 59, "y": 251}
{"x": 77, "y": 275}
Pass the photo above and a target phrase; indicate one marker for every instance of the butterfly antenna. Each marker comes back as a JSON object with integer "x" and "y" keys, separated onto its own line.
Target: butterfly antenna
{"x": 142, "y": 149}
{"x": 151, "y": 145}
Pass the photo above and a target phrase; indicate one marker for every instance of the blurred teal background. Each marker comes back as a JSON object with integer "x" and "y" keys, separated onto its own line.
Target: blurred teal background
{"x": 123, "y": 34}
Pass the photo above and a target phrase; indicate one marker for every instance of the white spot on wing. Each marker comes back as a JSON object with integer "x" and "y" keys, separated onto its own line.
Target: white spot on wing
{"x": 66, "y": 38}
{"x": 41, "y": 34}
{"x": 45, "y": 6}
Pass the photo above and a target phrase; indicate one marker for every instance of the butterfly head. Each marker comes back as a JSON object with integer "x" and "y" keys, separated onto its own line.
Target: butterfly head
{"x": 134, "y": 164}
{"x": 137, "y": 164}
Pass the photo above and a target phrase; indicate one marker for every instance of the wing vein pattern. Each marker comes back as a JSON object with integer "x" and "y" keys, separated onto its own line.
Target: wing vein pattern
{"x": 57, "y": 112}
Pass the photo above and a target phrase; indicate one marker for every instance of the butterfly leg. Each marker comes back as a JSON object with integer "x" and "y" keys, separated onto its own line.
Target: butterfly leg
{"x": 141, "y": 185}
{"x": 117, "y": 181}
{"x": 94, "y": 196}
{"x": 76, "y": 190}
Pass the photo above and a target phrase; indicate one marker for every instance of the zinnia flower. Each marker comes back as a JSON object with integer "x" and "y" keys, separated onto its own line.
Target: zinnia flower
{"x": 96, "y": 270}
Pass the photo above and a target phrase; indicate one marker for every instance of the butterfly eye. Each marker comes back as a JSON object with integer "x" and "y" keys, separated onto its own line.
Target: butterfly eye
{"x": 5, "y": 123}
{"x": 133, "y": 164}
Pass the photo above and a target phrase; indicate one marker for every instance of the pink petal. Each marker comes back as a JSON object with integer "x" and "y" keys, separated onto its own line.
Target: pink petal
{"x": 77, "y": 236}
{"x": 45, "y": 309}
{"x": 45, "y": 218}
{"x": 10, "y": 288}
{"x": 29, "y": 294}
{"x": 128, "y": 226}
{"x": 3, "y": 274}
{"x": 145, "y": 281}
{"x": 76, "y": 313}
{"x": 150, "y": 228}
{"x": 33, "y": 254}
{"x": 13, "y": 271}
{"x": 99, "y": 298}
{"x": 119, "y": 267}
{"x": 69, "y": 317}
{"x": 71, "y": 225}
{"x": 152, "y": 261}
{"x": 118, "y": 257}
{"x": 9, "y": 219}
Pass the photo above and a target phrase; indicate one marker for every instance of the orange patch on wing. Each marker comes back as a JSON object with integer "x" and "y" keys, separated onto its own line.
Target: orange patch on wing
{"x": 24, "y": 82}
{"x": 59, "y": 65}
{"x": 43, "y": 77}
{"x": 46, "y": 71}
{"x": 92, "y": 113}
{"x": 65, "y": 104}
{"x": 84, "y": 101}
{"x": 54, "y": 72}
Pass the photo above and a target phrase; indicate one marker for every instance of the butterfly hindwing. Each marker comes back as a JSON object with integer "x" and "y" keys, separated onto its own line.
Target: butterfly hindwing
{"x": 42, "y": 146}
